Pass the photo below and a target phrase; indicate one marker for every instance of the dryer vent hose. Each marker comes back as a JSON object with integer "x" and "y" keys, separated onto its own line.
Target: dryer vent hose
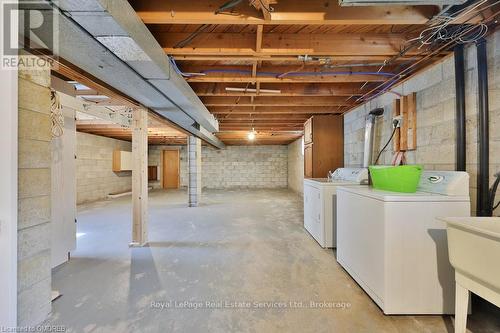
{"x": 493, "y": 192}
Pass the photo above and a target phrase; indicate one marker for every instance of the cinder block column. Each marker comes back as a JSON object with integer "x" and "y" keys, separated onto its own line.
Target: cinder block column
{"x": 194, "y": 170}
{"x": 34, "y": 198}
{"x": 139, "y": 176}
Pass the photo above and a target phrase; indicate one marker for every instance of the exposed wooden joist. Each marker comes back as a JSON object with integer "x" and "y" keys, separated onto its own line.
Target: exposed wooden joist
{"x": 282, "y": 58}
{"x": 275, "y": 110}
{"x": 290, "y": 79}
{"x": 270, "y": 117}
{"x": 275, "y": 101}
{"x": 295, "y": 89}
{"x": 285, "y": 12}
{"x": 232, "y": 44}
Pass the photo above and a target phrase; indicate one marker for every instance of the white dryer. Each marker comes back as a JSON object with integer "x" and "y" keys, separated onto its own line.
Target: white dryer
{"x": 395, "y": 248}
{"x": 320, "y": 202}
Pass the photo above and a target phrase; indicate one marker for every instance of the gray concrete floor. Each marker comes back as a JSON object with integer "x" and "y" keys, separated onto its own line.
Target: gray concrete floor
{"x": 239, "y": 246}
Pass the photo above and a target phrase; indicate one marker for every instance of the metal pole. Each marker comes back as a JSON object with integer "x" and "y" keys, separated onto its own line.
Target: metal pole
{"x": 460, "y": 108}
{"x": 483, "y": 204}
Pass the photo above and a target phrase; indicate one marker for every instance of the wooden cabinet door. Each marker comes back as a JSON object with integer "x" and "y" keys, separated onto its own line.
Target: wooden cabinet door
{"x": 308, "y": 161}
{"x": 308, "y": 131}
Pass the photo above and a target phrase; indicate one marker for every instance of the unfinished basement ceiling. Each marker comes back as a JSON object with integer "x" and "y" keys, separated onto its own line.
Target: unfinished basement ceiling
{"x": 269, "y": 65}
{"x": 91, "y": 93}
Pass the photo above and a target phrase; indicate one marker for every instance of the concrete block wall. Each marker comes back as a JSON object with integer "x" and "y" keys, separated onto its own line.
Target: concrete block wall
{"x": 233, "y": 167}
{"x": 245, "y": 167}
{"x": 194, "y": 171}
{"x": 296, "y": 166}
{"x": 435, "y": 90}
{"x": 34, "y": 192}
{"x": 95, "y": 178}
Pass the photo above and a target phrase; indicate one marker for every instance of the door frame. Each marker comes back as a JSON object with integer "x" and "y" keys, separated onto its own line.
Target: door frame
{"x": 162, "y": 174}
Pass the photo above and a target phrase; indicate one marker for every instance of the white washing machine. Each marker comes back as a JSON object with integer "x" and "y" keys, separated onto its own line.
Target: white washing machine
{"x": 395, "y": 248}
{"x": 320, "y": 203}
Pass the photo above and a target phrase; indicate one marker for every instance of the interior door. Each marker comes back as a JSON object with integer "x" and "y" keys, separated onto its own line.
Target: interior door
{"x": 171, "y": 161}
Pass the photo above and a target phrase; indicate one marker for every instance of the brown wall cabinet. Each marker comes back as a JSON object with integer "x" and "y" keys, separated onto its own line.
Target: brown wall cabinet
{"x": 323, "y": 145}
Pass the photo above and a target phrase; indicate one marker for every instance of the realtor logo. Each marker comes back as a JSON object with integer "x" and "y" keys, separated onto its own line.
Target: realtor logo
{"x": 29, "y": 35}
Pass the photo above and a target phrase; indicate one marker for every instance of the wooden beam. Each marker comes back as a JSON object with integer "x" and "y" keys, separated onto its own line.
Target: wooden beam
{"x": 295, "y": 89}
{"x": 140, "y": 177}
{"x": 233, "y": 44}
{"x": 258, "y": 39}
{"x": 270, "y": 117}
{"x": 241, "y": 101}
{"x": 285, "y": 58}
{"x": 100, "y": 112}
{"x": 276, "y": 110}
{"x": 326, "y": 12}
{"x": 290, "y": 79}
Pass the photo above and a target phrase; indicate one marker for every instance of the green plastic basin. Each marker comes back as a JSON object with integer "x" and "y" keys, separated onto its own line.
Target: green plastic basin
{"x": 404, "y": 178}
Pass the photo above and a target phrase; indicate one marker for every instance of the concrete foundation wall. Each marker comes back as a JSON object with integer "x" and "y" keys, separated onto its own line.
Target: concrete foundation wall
{"x": 436, "y": 137}
{"x": 34, "y": 191}
{"x": 296, "y": 167}
{"x": 233, "y": 167}
{"x": 95, "y": 178}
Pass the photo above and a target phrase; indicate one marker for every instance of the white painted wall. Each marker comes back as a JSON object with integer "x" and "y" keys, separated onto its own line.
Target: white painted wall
{"x": 8, "y": 199}
{"x": 63, "y": 210}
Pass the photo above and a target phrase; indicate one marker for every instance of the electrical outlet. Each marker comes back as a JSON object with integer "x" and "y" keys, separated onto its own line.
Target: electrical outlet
{"x": 397, "y": 121}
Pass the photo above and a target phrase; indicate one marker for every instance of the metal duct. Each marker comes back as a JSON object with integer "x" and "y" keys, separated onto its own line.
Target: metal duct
{"x": 483, "y": 178}
{"x": 369, "y": 135}
{"x": 107, "y": 39}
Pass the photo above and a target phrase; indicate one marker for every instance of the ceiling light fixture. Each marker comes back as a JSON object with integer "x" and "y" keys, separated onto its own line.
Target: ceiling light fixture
{"x": 253, "y": 90}
{"x": 251, "y": 135}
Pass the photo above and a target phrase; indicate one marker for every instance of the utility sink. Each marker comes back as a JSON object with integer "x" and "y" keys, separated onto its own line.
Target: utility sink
{"x": 474, "y": 252}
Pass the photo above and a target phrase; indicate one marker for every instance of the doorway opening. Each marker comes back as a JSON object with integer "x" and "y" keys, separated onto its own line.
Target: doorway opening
{"x": 171, "y": 169}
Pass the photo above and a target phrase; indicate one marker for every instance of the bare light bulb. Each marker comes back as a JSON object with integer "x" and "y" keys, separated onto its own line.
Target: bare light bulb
{"x": 251, "y": 135}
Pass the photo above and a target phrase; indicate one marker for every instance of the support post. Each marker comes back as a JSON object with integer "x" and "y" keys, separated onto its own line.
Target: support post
{"x": 194, "y": 170}
{"x": 139, "y": 176}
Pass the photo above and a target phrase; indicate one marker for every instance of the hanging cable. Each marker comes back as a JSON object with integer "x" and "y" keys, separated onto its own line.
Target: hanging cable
{"x": 387, "y": 144}
{"x": 191, "y": 37}
{"x": 268, "y": 9}
{"x": 228, "y": 5}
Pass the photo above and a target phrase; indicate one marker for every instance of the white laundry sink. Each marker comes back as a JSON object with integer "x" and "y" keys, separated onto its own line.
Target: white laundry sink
{"x": 474, "y": 252}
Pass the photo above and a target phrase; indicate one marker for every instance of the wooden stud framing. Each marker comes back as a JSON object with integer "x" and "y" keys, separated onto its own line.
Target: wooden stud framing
{"x": 408, "y": 132}
{"x": 412, "y": 121}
